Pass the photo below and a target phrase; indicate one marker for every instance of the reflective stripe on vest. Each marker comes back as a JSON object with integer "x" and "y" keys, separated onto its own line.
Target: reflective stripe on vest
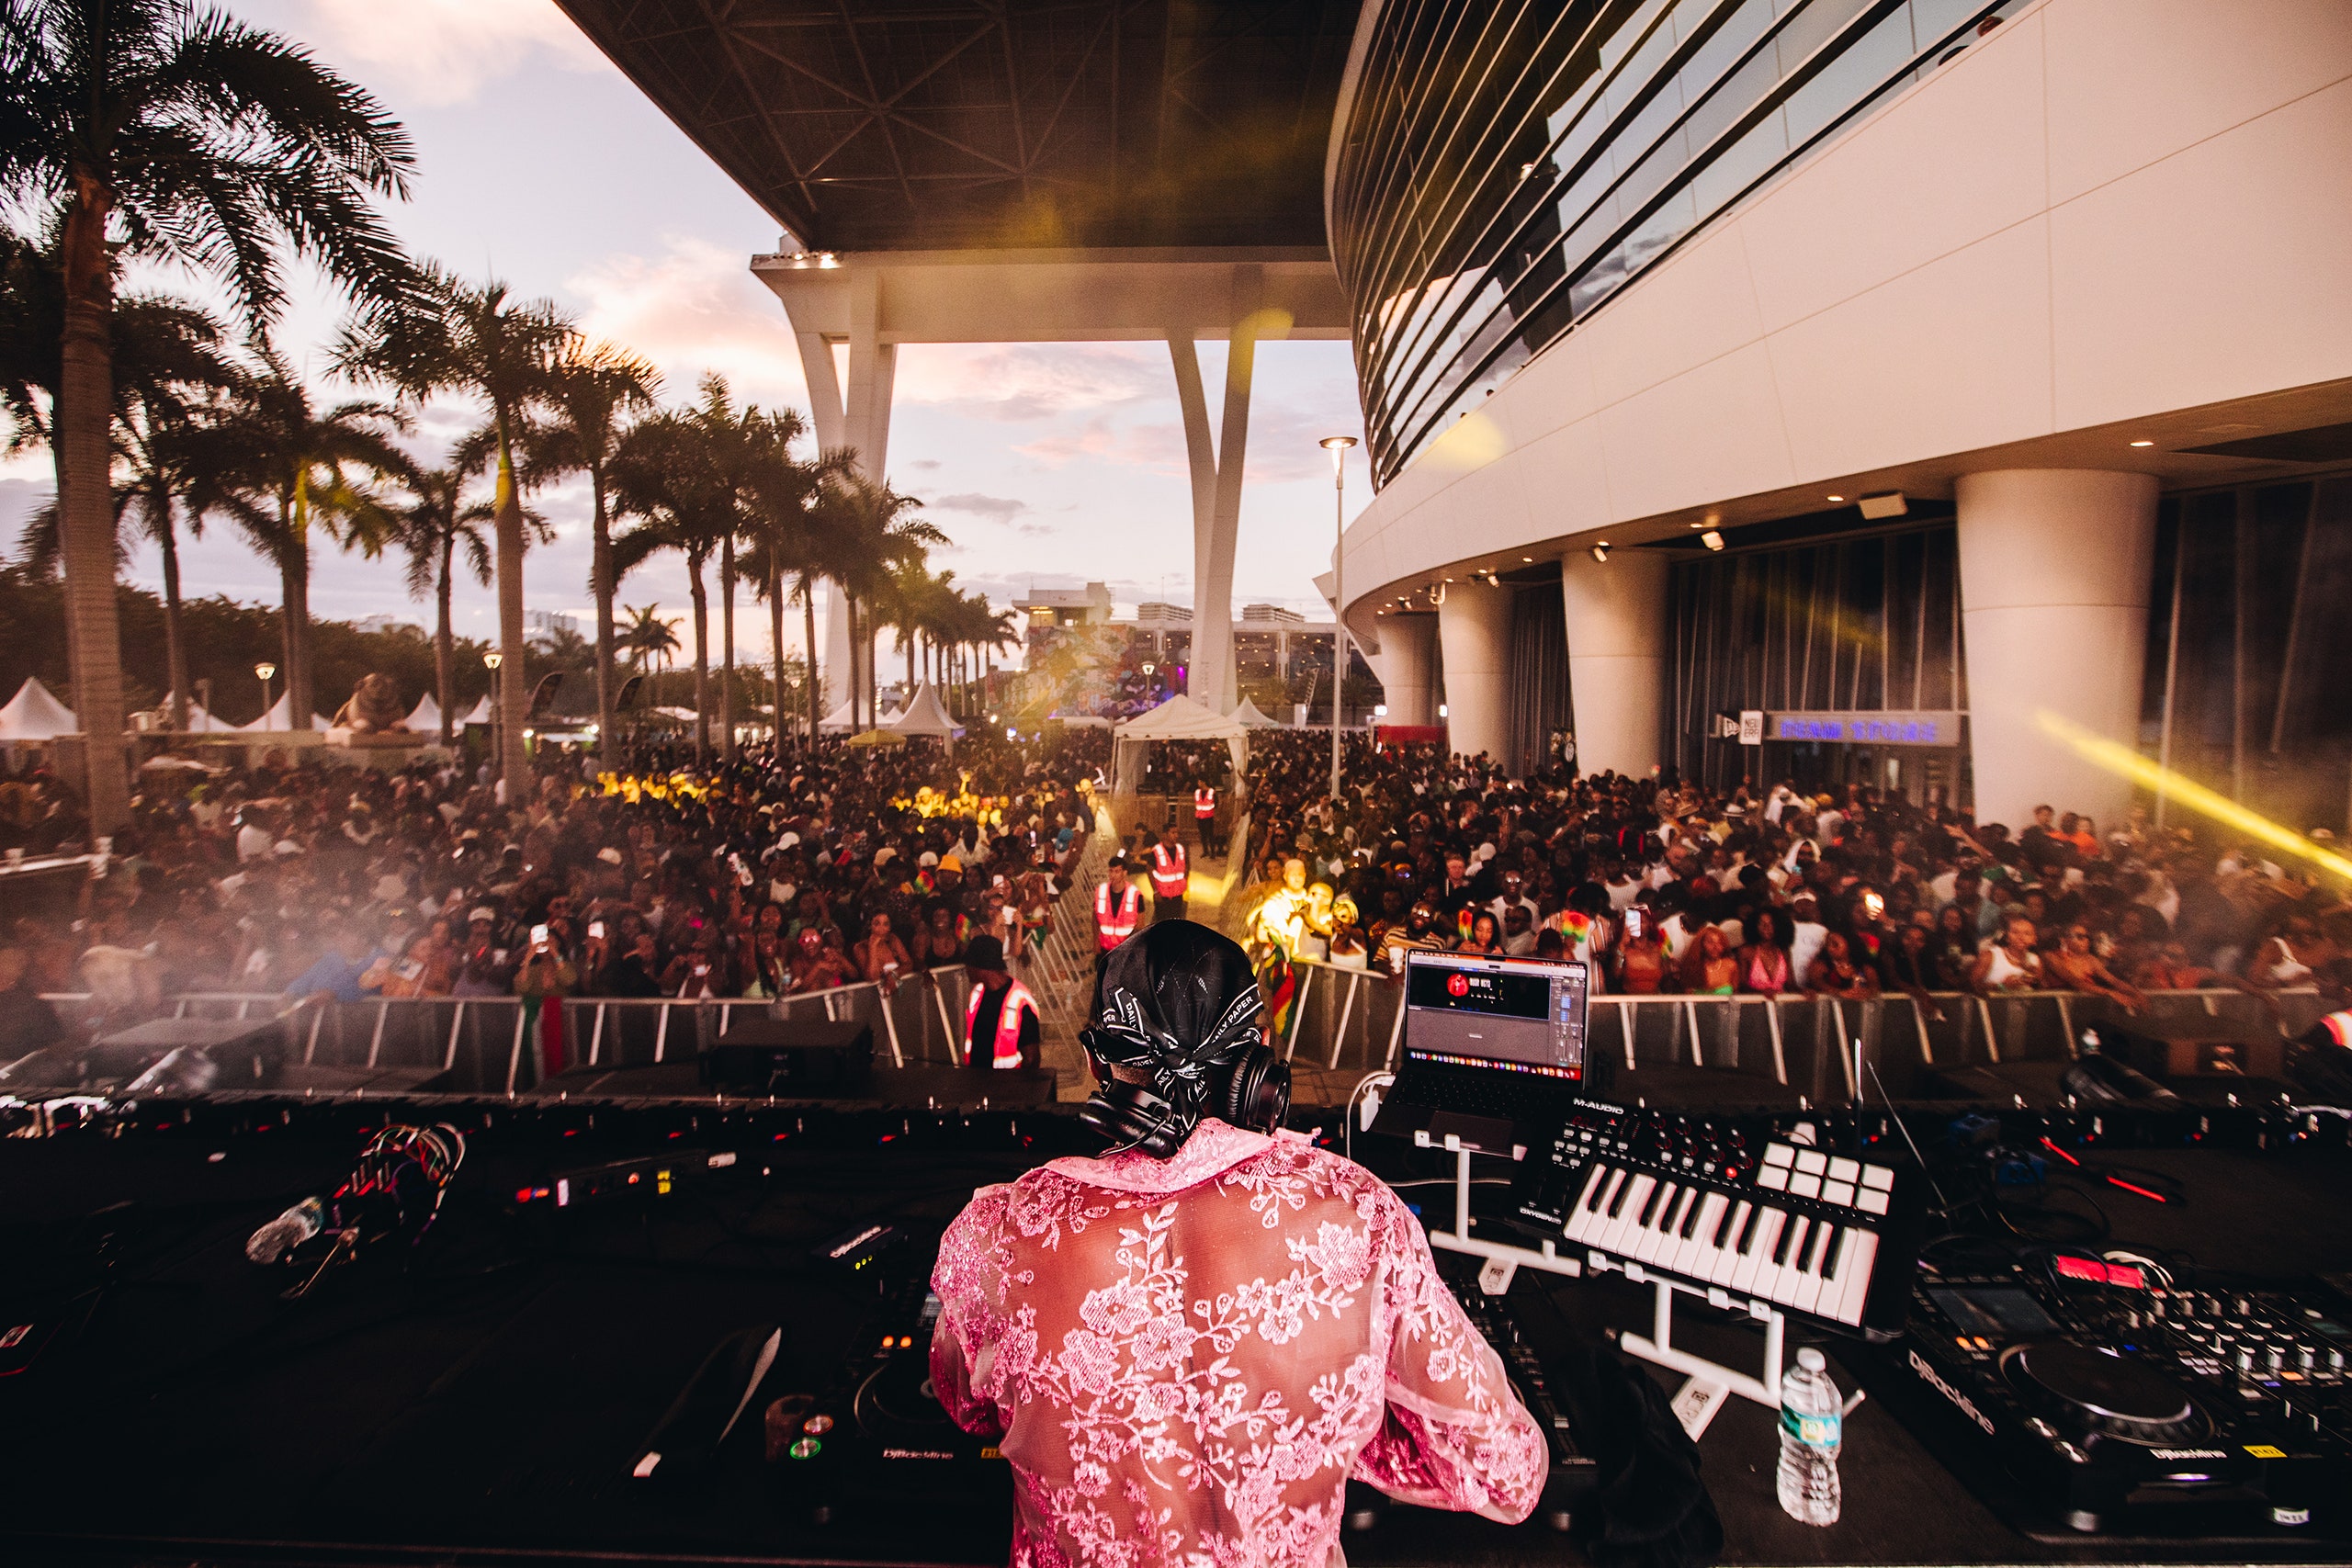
{"x": 1169, "y": 878}
{"x": 1114, "y": 928}
{"x": 1007, "y": 1023}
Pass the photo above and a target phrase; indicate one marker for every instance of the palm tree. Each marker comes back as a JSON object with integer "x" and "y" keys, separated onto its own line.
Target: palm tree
{"x": 665, "y": 476}
{"x": 292, "y": 468}
{"x": 780, "y": 525}
{"x": 157, "y": 129}
{"x": 476, "y": 340}
{"x": 168, "y": 362}
{"x": 593, "y": 389}
{"x": 866, "y": 531}
{"x": 648, "y": 636}
{"x": 434, "y": 528}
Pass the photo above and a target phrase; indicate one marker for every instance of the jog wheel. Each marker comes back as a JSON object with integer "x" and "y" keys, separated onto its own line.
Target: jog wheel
{"x": 895, "y": 1404}
{"x": 2104, "y": 1395}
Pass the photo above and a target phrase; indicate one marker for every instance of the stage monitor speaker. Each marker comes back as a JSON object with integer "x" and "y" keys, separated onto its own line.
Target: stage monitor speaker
{"x": 171, "y": 1057}
{"x": 815, "y": 1059}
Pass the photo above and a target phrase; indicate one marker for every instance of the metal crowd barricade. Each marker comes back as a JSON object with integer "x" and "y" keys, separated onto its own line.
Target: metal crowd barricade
{"x": 1829, "y": 1048}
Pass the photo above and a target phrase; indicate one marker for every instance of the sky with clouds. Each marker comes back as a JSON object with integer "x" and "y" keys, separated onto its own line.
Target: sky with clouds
{"x": 539, "y": 162}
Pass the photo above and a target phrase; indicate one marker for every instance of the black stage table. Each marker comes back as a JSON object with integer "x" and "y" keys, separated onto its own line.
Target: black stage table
{"x": 482, "y": 1405}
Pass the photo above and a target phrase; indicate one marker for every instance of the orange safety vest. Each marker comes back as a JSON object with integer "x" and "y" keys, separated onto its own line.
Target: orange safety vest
{"x": 1169, "y": 878}
{"x": 1007, "y": 1023}
{"x": 1115, "y": 926}
{"x": 1205, "y": 803}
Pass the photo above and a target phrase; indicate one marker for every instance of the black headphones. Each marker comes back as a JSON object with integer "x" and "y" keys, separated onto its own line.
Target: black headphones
{"x": 1251, "y": 1092}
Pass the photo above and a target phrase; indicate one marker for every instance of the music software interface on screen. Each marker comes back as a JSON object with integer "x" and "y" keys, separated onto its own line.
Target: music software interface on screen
{"x": 1524, "y": 1014}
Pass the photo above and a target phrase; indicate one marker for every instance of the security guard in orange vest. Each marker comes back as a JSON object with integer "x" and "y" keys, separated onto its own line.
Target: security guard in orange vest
{"x": 1118, "y": 906}
{"x": 1001, "y": 1027}
{"x": 1171, "y": 876}
{"x": 1204, "y": 816}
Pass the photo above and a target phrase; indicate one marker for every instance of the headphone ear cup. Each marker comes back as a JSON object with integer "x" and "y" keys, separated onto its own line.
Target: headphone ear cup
{"x": 1132, "y": 1117}
{"x": 1257, "y": 1092}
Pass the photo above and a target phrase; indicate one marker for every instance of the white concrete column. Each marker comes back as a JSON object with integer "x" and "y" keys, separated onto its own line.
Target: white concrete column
{"x": 1408, "y": 673}
{"x": 2054, "y": 568}
{"x": 1617, "y": 648}
{"x": 1217, "y": 469}
{"x": 857, "y": 417}
{"x": 1474, "y": 627}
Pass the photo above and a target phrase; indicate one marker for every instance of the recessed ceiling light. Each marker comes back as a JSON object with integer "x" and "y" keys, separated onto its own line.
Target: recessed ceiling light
{"x": 1527, "y": 558}
{"x": 2143, "y": 443}
{"x": 1837, "y": 497}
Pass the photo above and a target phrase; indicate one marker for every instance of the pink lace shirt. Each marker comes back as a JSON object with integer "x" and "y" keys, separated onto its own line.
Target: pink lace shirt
{"x": 1188, "y": 1357}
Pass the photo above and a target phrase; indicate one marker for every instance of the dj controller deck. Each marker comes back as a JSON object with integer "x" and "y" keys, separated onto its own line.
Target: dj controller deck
{"x": 2119, "y": 1331}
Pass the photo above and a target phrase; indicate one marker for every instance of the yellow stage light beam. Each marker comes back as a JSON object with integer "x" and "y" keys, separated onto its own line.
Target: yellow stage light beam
{"x": 2120, "y": 758}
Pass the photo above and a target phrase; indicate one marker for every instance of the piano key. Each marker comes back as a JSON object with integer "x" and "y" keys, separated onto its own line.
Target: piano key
{"x": 1696, "y": 1257}
{"x": 1649, "y": 1237}
{"x": 1574, "y": 1225}
{"x": 1756, "y": 1246}
{"x": 1625, "y": 1212}
{"x": 1671, "y": 1226}
{"x": 1854, "y": 1277}
{"x": 1808, "y": 1286}
{"x": 1776, "y": 1277}
{"x": 1589, "y": 1224}
{"x": 1737, "y": 1226}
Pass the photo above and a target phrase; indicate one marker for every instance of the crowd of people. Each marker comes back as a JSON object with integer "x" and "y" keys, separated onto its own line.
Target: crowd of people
{"x": 782, "y": 871}
{"x": 1768, "y": 890}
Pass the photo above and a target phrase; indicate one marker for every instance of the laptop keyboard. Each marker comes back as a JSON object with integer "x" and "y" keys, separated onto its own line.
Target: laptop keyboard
{"x": 1503, "y": 1096}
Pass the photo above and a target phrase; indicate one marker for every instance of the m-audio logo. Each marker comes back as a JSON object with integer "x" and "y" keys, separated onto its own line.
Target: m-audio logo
{"x": 1965, "y": 1406}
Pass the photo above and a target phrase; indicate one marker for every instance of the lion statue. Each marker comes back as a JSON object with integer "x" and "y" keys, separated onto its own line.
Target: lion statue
{"x": 373, "y": 708}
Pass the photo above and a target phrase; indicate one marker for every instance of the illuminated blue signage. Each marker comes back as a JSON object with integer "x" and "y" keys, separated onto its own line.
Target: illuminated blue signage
{"x": 1869, "y": 729}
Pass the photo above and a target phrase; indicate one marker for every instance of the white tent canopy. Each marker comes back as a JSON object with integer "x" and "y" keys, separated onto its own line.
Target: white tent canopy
{"x": 281, "y": 716}
{"x": 837, "y": 721}
{"x": 925, "y": 715}
{"x": 34, "y": 715}
{"x": 426, "y": 717}
{"x": 480, "y": 713}
{"x": 1180, "y": 719}
{"x": 1248, "y": 716}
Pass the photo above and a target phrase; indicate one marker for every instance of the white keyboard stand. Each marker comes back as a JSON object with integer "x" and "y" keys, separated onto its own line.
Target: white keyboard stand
{"x": 1503, "y": 1261}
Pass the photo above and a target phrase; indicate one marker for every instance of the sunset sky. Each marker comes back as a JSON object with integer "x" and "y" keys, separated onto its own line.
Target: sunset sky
{"x": 539, "y": 162}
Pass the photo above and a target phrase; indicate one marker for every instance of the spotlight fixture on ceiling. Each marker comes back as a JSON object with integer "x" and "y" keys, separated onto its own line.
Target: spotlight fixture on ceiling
{"x": 1837, "y": 498}
{"x": 1600, "y": 549}
{"x": 1711, "y": 539}
{"x": 2143, "y": 443}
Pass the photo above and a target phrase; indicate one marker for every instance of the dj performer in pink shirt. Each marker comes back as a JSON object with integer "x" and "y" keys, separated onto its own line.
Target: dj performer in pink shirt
{"x": 1190, "y": 1343}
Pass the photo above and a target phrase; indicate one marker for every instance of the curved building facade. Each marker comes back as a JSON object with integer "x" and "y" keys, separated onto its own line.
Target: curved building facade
{"x": 1842, "y": 363}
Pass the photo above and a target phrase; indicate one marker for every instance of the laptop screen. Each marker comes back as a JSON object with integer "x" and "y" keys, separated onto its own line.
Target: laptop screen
{"x": 1523, "y": 1015}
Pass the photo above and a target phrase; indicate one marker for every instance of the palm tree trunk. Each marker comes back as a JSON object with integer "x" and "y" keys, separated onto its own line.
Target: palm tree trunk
{"x": 601, "y": 572}
{"x": 174, "y": 648}
{"x": 294, "y": 599}
{"x": 702, "y": 660}
{"x": 775, "y": 649}
{"x": 513, "y": 686}
{"x": 726, "y": 646}
{"x": 445, "y": 643}
{"x": 299, "y": 699}
{"x": 84, "y": 427}
{"x": 808, "y": 629}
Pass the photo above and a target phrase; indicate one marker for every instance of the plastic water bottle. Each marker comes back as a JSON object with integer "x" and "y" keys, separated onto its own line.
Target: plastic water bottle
{"x": 289, "y": 1231}
{"x": 1812, "y": 1431}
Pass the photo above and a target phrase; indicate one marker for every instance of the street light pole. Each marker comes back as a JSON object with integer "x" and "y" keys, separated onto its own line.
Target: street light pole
{"x": 493, "y": 659}
{"x": 1338, "y": 446}
{"x": 265, "y": 670}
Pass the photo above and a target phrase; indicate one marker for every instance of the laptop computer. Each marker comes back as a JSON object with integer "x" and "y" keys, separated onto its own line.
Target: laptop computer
{"x": 1494, "y": 1051}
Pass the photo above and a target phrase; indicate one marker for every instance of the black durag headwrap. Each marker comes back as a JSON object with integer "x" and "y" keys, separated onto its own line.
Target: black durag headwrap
{"x": 1178, "y": 1000}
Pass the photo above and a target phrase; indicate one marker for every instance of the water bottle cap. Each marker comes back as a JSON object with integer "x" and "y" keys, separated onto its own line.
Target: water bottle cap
{"x": 1810, "y": 1360}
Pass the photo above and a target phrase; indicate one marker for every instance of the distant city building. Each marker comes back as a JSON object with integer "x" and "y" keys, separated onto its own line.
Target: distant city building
{"x": 549, "y": 623}
{"x": 386, "y": 623}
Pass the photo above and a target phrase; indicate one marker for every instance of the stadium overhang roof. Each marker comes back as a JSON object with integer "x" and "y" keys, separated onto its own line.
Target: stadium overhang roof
{"x": 1027, "y": 125}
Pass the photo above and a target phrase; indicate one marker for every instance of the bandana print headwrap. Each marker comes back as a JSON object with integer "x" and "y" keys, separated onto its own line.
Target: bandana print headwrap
{"x": 1177, "y": 1000}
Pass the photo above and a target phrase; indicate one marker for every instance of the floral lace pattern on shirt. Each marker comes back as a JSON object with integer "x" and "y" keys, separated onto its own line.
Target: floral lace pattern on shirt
{"x": 1189, "y": 1358}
